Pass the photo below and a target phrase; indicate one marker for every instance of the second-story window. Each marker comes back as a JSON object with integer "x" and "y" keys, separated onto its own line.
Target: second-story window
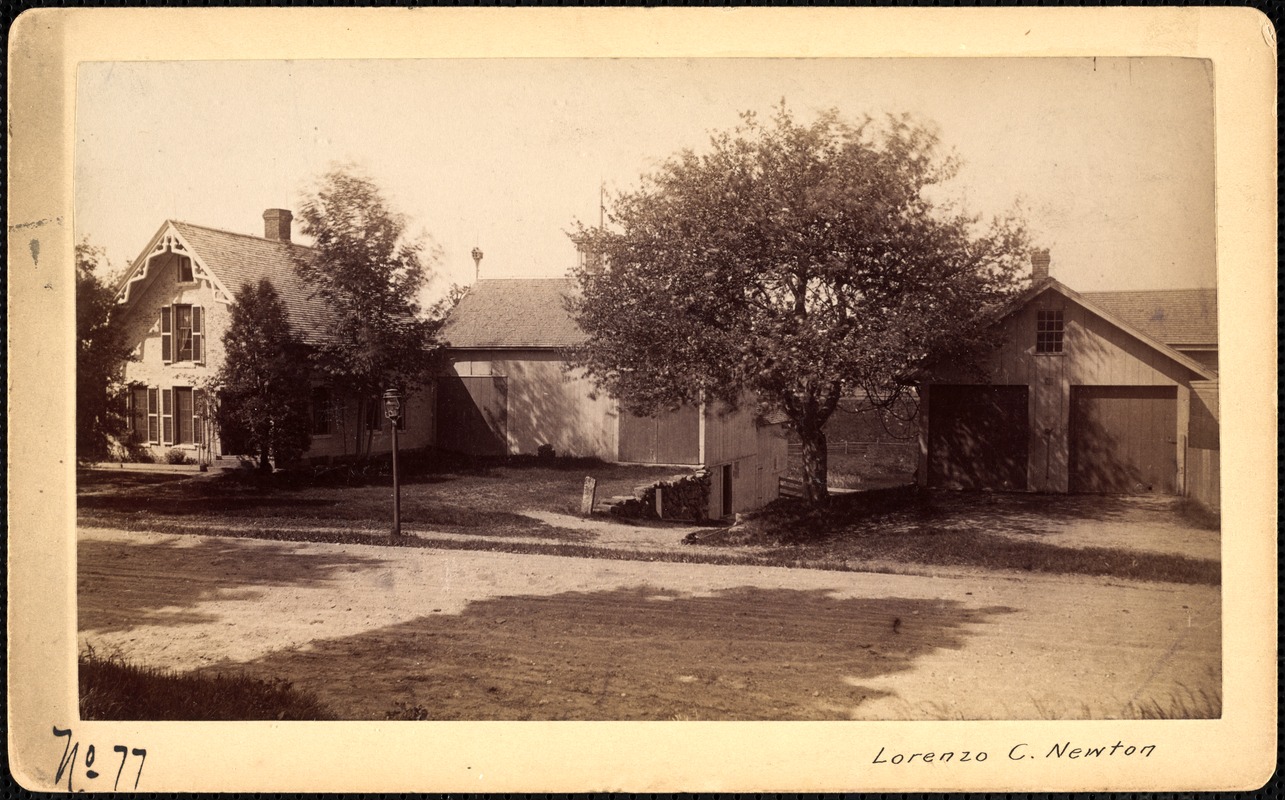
{"x": 182, "y": 333}
{"x": 185, "y": 270}
{"x": 1048, "y": 331}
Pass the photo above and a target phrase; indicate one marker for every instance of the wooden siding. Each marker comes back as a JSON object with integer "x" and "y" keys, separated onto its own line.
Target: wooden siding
{"x": 671, "y": 438}
{"x": 472, "y": 414}
{"x": 978, "y": 437}
{"x": 1095, "y": 353}
{"x": 1204, "y": 478}
{"x": 757, "y": 456}
{"x": 1204, "y": 416}
{"x": 546, "y": 403}
{"x": 1124, "y": 439}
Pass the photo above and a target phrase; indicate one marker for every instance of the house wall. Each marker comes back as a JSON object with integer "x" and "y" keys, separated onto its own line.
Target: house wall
{"x": 546, "y": 403}
{"x": 1095, "y": 353}
{"x": 142, "y": 328}
{"x": 418, "y": 430}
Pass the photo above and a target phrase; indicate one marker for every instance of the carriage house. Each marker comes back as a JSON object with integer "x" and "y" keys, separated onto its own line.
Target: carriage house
{"x": 1083, "y": 394}
{"x": 509, "y": 392}
{"x": 176, "y": 299}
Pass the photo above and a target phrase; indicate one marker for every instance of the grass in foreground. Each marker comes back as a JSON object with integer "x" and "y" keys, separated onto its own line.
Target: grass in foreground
{"x": 480, "y": 497}
{"x": 113, "y": 689}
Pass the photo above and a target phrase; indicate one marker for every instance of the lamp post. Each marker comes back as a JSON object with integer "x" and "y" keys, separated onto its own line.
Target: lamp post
{"x": 393, "y": 410}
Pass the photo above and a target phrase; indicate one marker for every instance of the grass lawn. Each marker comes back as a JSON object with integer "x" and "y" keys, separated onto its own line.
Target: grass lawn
{"x": 116, "y": 689}
{"x": 479, "y": 498}
{"x": 890, "y": 530}
{"x": 958, "y": 529}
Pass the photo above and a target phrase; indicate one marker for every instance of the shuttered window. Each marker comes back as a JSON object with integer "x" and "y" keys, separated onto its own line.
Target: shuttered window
{"x": 198, "y": 416}
{"x": 153, "y": 416}
{"x": 167, "y": 416}
{"x": 138, "y": 412}
{"x": 198, "y": 325}
{"x": 184, "y": 416}
{"x": 167, "y": 337}
{"x": 183, "y": 334}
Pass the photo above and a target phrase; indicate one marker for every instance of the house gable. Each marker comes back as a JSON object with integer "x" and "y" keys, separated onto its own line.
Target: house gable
{"x": 1095, "y": 338}
{"x": 224, "y": 261}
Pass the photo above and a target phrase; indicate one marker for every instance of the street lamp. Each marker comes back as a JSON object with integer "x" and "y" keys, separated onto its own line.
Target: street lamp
{"x": 393, "y": 410}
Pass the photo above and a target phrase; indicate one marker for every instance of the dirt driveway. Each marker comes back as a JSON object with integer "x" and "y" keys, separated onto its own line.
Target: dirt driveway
{"x": 467, "y": 634}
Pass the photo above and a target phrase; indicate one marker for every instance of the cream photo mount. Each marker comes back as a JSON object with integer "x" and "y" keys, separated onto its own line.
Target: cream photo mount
{"x": 47, "y": 741}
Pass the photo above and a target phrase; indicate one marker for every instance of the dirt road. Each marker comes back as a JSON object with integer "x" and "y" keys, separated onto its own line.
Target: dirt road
{"x": 480, "y": 635}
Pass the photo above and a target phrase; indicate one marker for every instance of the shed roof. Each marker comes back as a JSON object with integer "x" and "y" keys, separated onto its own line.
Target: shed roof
{"x": 238, "y": 258}
{"x": 514, "y": 313}
{"x": 1174, "y": 316}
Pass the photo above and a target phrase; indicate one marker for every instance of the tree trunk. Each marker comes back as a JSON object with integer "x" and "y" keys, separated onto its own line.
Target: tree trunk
{"x": 815, "y": 466}
{"x": 265, "y": 463}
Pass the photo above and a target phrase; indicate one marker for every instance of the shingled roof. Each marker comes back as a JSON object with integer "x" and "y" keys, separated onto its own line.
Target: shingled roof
{"x": 238, "y": 258}
{"x": 514, "y": 313}
{"x": 1174, "y": 316}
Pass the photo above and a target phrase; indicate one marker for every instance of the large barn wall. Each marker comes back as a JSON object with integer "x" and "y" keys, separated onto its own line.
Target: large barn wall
{"x": 547, "y": 404}
{"x": 1095, "y": 353}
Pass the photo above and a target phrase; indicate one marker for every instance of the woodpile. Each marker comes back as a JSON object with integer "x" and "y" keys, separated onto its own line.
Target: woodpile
{"x": 680, "y": 497}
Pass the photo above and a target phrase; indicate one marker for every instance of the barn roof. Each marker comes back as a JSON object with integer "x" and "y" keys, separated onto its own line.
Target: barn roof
{"x": 514, "y": 313}
{"x": 238, "y": 258}
{"x": 1174, "y": 316}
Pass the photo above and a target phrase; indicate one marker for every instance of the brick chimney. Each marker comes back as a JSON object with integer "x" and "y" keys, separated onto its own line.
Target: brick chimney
{"x": 276, "y": 224}
{"x": 1039, "y": 265}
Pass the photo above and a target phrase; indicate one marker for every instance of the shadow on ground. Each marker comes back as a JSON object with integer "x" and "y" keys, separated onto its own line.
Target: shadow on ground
{"x": 174, "y": 577}
{"x": 627, "y": 654}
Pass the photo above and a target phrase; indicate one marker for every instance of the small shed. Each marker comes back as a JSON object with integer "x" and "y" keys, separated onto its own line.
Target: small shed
{"x": 1073, "y": 399}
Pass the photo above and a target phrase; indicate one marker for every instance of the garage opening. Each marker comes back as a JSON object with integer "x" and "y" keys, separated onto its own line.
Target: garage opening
{"x": 978, "y": 437}
{"x": 1123, "y": 439}
{"x": 472, "y": 415}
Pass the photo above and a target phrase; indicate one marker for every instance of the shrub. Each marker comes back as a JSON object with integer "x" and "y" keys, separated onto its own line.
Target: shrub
{"x": 545, "y": 452}
{"x": 177, "y": 456}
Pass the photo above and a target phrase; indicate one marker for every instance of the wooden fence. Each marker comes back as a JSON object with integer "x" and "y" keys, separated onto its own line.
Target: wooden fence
{"x": 1203, "y": 476}
{"x": 791, "y": 487}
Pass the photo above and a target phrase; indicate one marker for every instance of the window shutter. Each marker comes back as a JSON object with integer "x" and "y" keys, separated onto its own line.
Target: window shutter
{"x": 167, "y": 337}
{"x": 198, "y": 344}
{"x": 153, "y": 416}
{"x": 167, "y": 416}
{"x": 198, "y": 415}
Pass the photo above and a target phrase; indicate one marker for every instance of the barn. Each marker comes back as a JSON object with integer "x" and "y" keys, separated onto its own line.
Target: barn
{"x": 508, "y": 392}
{"x": 1076, "y": 398}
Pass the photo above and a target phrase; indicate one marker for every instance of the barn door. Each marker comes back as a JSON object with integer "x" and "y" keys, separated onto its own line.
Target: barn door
{"x": 472, "y": 415}
{"x": 978, "y": 437}
{"x": 1124, "y": 439}
{"x": 670, "y": 438}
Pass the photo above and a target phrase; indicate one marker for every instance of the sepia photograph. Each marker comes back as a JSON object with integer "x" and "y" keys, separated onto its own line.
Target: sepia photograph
{"x": 649, "y": 389}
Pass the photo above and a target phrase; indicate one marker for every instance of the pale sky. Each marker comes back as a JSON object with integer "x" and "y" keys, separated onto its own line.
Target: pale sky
{"x": 1113, "y": 159}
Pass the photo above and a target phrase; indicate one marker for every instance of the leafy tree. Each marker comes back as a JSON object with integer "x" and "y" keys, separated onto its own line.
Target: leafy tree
{"x": 263, "y": 386}
{"x": 101, "y": 353}
{"x": 794, "y": 263}
{"x": 370, "y": 273}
